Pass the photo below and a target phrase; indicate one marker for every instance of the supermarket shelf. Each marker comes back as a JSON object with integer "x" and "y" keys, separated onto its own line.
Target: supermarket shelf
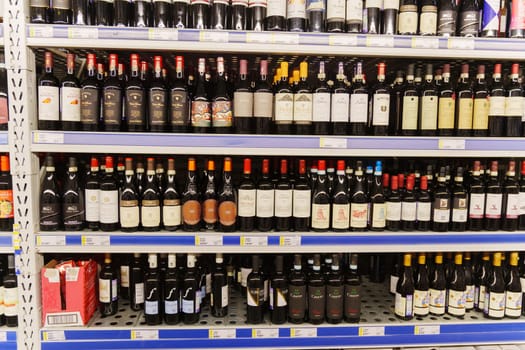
{"x": 3, "y": 141}
{"x": 362, "y": 146}
{"x": 7, "y": 338}
{"x": 6, "y": 244}
{"x": 292, "y": 242}
{"x": 377, "y": 327}
{"x": 273, "y": 42}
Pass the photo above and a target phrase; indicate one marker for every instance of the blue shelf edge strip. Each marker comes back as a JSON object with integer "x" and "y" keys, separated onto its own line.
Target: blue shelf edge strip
{"x": 10, "y": 343}
{"x": 6, "y": 241}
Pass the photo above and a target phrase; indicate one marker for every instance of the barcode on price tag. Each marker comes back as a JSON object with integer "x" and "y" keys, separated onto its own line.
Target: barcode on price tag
{"x": 371, "y": 331}
{"x": 145, "y": 334}
{"x": 254, "y": 241}
{"x": 82, "y": 33}
{"x": 303, "y": 332}
{"x": 461, "y": 43}
{"x": 50, "y": 241}
{"x": 342, "y": 40}
{"x": 208, "y": 240}
{"x": 425, "y": 330}
{"x": 265, "y": 333}
{"x": 222, "y": 333}
{"x": 48, "y": 137}
{"x": 165, "y": 34}
{"x": 379, "y": 41}
{"x": 214, "y": 36}
{"x": 290, "y": 241}
{"x": 331, "y": 142}
{"x": 451, "y": 144}
{"x": 425, "y": 43}
{"x": 95, "y": 241}
{"x": 54, "y": 336}
{"x": 3, "y": 336}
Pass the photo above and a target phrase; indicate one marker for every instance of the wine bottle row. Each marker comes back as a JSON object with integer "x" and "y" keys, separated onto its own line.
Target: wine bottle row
{"x": 412, "y": 104}
{"x": 471, "y": 18}
{"x": 348, "y": 197}
{"x": 8, "y": 292}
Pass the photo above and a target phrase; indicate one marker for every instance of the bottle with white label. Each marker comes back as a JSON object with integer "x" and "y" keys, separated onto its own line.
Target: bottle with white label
{"x": 457, "y": 289}
{"x": 459, "y": 203}
{"x": 340, "y": 200}
{"x": 377, "y": 200}
{"x": 284, "y": 103}
{"x": 265, "y": 199}
{"x": 129, "y": 201}
{"x": 465, "y": 103}
{"x": 424, "y": 206}
{"x": 48, "y": 97}
{"x": 321, "y": 103}
{"x": 303, "y": 103}
{"x": 513, "y": 289}
{"x": 404, "y": 299}
{"x": 495, "y": 291}
{"x": 302, "y": 199}
{"x": 513, "y": 106}
{"x": 335, "y": 15}
{"x": 497, "y": 103}
{"x": 359, "y": 103}
{"x": 393, "y": 206}
{"x": 442, "y": 199}
{"x": 359, "y": 201}
{"x": 438, "y": 287}
{"x": 109, "y": 199}
{"x": 70, "y": 97}
{"x": 296, "y": 15}
{"x": 354, "y": 16}
{"x": 380, "y": 103}
{"x": 447, "y": 104}
{"x": 243, "y": 101}
{"x": 410, "y": 105}
{"x": 408, "y": 17}
{"x": 511, "y": 199}
{"x": 428, "y": 17}
{"x": 189, "y": 292}
{"x": 108, "y": 288}
{"x": 494, "y": 201}
{"x": 283, "y": 200}
{"x": 247, "y": 199}
{"x": 409, "y": 206}
{"x": 480, "y": 116}
{"x": 321, "y": 200}
{"x": 340, "y": 103}
{"x": 421, "y": 287}
{"x": 150, "y": 201}
{"x": 171, "y": 208}
{"x": 428, "y": 114}
{"x": 219, "y": 289}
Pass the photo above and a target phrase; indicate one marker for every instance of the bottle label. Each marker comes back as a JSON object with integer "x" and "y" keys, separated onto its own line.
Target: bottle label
{"x": 354, "y": 11}
{"x": 424, "y": 211}
{"x": 112, "y": 106}
{"x": 358, "y": 215}
{"x": 513, "y": 206}
{"x": 340, "y": 216}
{"x": 403, "y": 305}
{"x": 301, "y": 203}
{"x": 446, "y": 113}
{"x": 428, "y": 20}
{"x": 496, "y": 304}
{"x": 227, "y": 213}
{"x": 497, "y": 105}
{"x": 352, "y": 303}
{"x": 265, "y": 202}
{"x": 437, "y": 301}
{"x": 429, "y": 112}
{"x": 48, "y": 103}
{"x": 171, "y": 307}
{"x": 522, "y": 204}
{"x": 276, "y": 8}
{"x": 315, "y": 5}
{"x": 378, "y": 215}
{"x": 89, "y": 105}
{"x": 157, "y": 107}
{"x": 302, "y": 107}
{"x": 92, "y": 205}
{"x": 247, "y": 199}
{"x": 283, "y": 203}
{"x": 340, "y": 108}
{"x": 334, "y": 301}
{"x": 225, "y": 292}
{"x": 189, "y": 306}
{"x": 297, "y": 301}
{"x": 151, "y": 307}
{"x": 316, "y": 302}
{"x": 410, "y": 112}
{"x": 222, "y": 114}
{"x": 421, "y": 302}
{"x": 490, "y": 20}
{"x": 171, "y": 213}
{"x": 517, "y": 20}
{"x": 459, "y": 211}
{"x": 262, "y": 104}
{"x": 374, "y": 3}
{"x": 321, "y": 216}
{"x": 11, "y": 301}
{"x": 321, "y": 106}
{"x": 408, "y": 18}
{"x": 191, "y": 212}
{"x": 62, "y": 4}
{"x": 208, "y": 283}
{"x": 129, "y": 214}
{"x": 477, "y": 205}
{"x": 513, "y": 303}
{"x": 447, "y": 22}
{"x": 73, "y": 214}
{"x": 381, "y": 112}
{"x": 49, "y": 214}
{"x": 284, "y": 107}
{"x": 358, "y": 108}
{"x": 480, "y": 119}
{"x": 139, "y": 293}
{"x": 493, "y": 206}
{"x": 390, "y": 5}
{"x": 70, "y": 100}
{"x": 296, "y": 9}
{"x": 482, "y": 295}
{"x": 179, "y": 108}
{"x": 513, "y": 106}
{"x": 4, "y": 110}
{"x": 135, "y": 107}
{"x": 243, "y": 104}
{"x": 393, "y": 211}
{"x": 104, "y": 290}
{"x": 456, "y": 302}
{"x": 150, "y": 215}
{"x": 469, "y": 23}
{"x": 6, "y": 204}
{"x": 393, "y": 283}
{"x": 335, "y": 11}
{"x": 245, "y": 272}
{"x": 2, "y": 292}
{"x": 469, "y": 297}
{"x": 408, "y": 211}
{"x": 209, "y": 214}
{"x": 201, "y": 114}
{"x": 441, "y": 214}
{"x": 109, "y": 207}
{"x": 465, "y": 114}
{"x": 254, "y": 296}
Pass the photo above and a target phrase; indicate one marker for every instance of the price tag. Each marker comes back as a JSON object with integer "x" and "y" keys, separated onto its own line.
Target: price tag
{"x": 82, "y": 33}
{"x": 95, "y": 241}
{"x": 451, "y": 144}
{"x": 303, "y": 332}
{"x": 214, "y": 36}
{"x": 461, "y": 43}
{"x": 282, "y": 38}
{"x": 330, "y": 142}
{"x": 254, "y": 241}
{"x": 425, "y": 43}
{"x": 48, "y": 137}
{"x": 164, "y": 34}
{"x": 41, "y": 31}
{"x": 261, "y": 38}
{"x": 222, "y": 334}
{"x": 54, "y": 336}
{"x": 342, "y": 40}
{"x": 379, "y": 41}
{"x": 371, "y": 331}
{"x": 208, "y": 240}
{"x": 16, "y": 237}
{"x": 145, "y": 334}
{"x": 50, "y": 241}
{"x": 265, "y": 333}
{"x": 3, "y": 336}
{"x": 290, "y": 241}
{"x": 424, "y": 330}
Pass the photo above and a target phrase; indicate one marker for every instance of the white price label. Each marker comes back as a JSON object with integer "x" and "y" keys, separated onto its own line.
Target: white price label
{"x": 290, "y": 241}
{"x": 50, "y": 241}
{"x": 451, "y": 144}
{"x": 82, "y": 33}
{"x": 95, "y": 241}
{"x": 330, "y": 142}
{"x": 265, "y": 333}
{"x": 379, "y": 41}
{"x": 208, "y": 240}
{"x": 461, "y": 43}
{"x": 424, "y": 330}
{"x": 3, "y": 336}
{"x": 254, "y": 241}
{"x": 16, "y": 237}
{"x": 261, "y": 38}
{"x": 41, "y": 32}
{"x": 425, "y": 43}
{"x": 222, "y": 334}
{"x": 164, "y": 34}
{"x": 54, "y": 336}
{"x": 282, "y": 38}
{"x": 342, "y": 40}
{"x": 145, "y": 334}
{"x": 214, "y": 36}
{"x": 371, "y": 331}
{"x": 48, "y": 137}
{"x": 303, "y": 332}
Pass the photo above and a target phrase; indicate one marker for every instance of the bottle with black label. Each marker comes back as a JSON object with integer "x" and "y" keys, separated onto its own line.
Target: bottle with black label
{"x": 112, "y": 97}
{"x": 178, "y": 117}
{"x": 107, "y": 288}
{"x": 459, "y": 203}
{"x": 256, "y": 15}
{"x": 90, "y": 96}
{"x": 352, "y": 292}
{"x": 219, "y": 289}
{"x": 135, "y": 94}
{"x": 442, "y": 199}
{"x": 335, "y": 290}
{"x": 497, "y": 116}
{"x": 494, "y": 199}
{"x": 50, "y": 218}
{"x": 136, "y": 283}
{"x": 469, "y": 21}
{"x": 255, "y": 291}
{"x": 180, "y": 14}
{"x": 48, "y": 97}
{"x": 122, "y": 12}
{"x": 39, "y": 11}
{"x": 72, "y": 199}
{"x": 404, "y": 299}
{"x": 316, "y": 293}
{"x": 297, "y": 295}
{"x": 189, "y": 292}
{"x": 61, "y": 11}
{"x": 316, "y": 15}
{"x": 396, "y": 102}
{"x": 447, "y": 18}
{"x": 172, "y": 292}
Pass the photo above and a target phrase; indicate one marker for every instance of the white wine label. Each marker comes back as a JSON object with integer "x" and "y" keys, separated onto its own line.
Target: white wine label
{"x": 48, "y": 103}
{"x": 393, "y": 211}
{"x": 296, "y": 9}
{"x": 276, "y": 8}
{"x": 522, "y": 203}
{"x": 262, "y": 104}
{"x": 496, "y": 304}
{"x": 104, "y": 290}
{"x": 109, "y": 207}
{"x": 321, "y": 107}
{"x": 335, "y": 10}
{"x": 301, "y": 203}
{"x": 124, "y": 276}
{"x": 513, "y": 106}
{"x": 456, "y": 302}
{"x": 139, "y": 293}
{"x": 459, "y": 215}
{"x": 283, "y": 203}
{"x": 428, "y": 24}
{"x": 243, "y": 104}
{"x": 92, "y": 205}
{"x": 70, "y": 104}
{"x": 151, "y": 307}
{"x": 381, "y": 111}
{"x": 497, "y": 105}
{"x": 404, "y": 305}
{"x": 480, "y": 116}
{"x": 513, "y": 303}
{"x": 513, "y": 206}
{"x": 437, "y": 301}
{"x": 354, "y": 11}
{"x": 493, "y": 206}
{"x": 429, "y": 112}
{"x": 171, "y": 307}
{"x": 358, "y": 108}
{"x": 410, "y": 112}
{"x": 171, "y": 215}
{"x": 408, "y": 211}
{"x": 477, "y": 205}
{"x": 265, "y": 203}
{"x": 11, "y": 301}
{"x": 150, "y": 216}
{"x": 441, "y": 215}
{"x": 378, "y": 215}
{"x": 2, "y": 292}
{"x": 358, "y": 215}
{"x": 245, "y": 272}
{"x": 225, "y": 292}
{"x": 302, "y": 107}
{"x": 466, "y": 106}
{"x": 393, "y": 283}
{"x": 129, "y": 217}
{"x": 469, "y": 301}
{"x": 421, "y": 302}
{"x": 340, "y": 216}
{"x": 284, "y": 108}
{"x": 188, "y": 306}
{"x": 321, "y": 216}
{"x": 340, "y": 111}
{"x": 247, "y": 206}
{"x": 447, "y": 107}
{"x": 424, "y": 211}
{"x": 481, "y": 297}
{"x": 408, "y": 22}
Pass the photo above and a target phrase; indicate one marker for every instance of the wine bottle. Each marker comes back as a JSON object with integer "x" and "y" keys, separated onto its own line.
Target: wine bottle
{"x": 109, "y": 198}
{"x": 158, "y": 99}
{"x": 447, "y": 105}
{"x": 459, "y": 203}
{"x": 389, "y": 16}
{"x": 513, "y": 289}
{"x": 316, "y": 15}
{"x": 171, "y": 206}
{"x": 220, "y": 13}
{"x": 335, "y": 16}
{"x": 301, "y": 198}
{"x": 142, "y": 12}
{"x": 107, "y": 288}
{"x": 283, "y": 199}
{"x": 468, "y": 21}
{"x": 377, "y": 201}
{"x": 359, "y": 103}
{"x": 72, "y": 199}
{"x": 39, "y": 11}
{"x": 263, "y": 101}
{"x": 408, "y": 17}
{"x": 90, "y": 96}
{"x": 219, "y": 289}
{"x": 179, "y": 99}
{"x": 297, "y": 296}
{"x": 494, "y": 199}
{"x": 495, "y": 291}
{"x": 352, "y": 292}
{"x": 152, "y": 293}
{"x": 201, "y": 109}
{"x": 480, "y": 279}
{"x": 321, "y": 103}
{"x": 393, "y": 206}
{"x": 296, "y": 15}
{"x": 404, "y": 299}
{"x": 469, "y": 281}
{"x": 302, "y": 103}
{"x": 11, "y": 293}
{"x": 227, "y": 201}
{"x": 4, "y": 95}
{"x": 48, "y": 97}
{"x": 50, "y": 218}
{"x": 447, "y": 18}
{"x": 340, "y": 201}
{"x": 340, "y": 104}
{"x": 3, "y": 273}
{"x": 191, "y": 205}
{"x": 396, "y": 104}
{"x": 428, "y": 114}
{"x": 112, "y": 97}
{"x": 409, "y": 121}
{"x": 456, "y": 289}
{"x": 222, "y": 116}
{"x": 380, "y": 104}
{"x": 172, "y": 292}
{"x": 373, "y": 10}
{"x": 438, "y": 285}
{"x": 243, "y": 102}
{"x": 255, "y": 291}
{"x": 480, "y": 118}
{"x": 200, "y": 12}
{"x": 180, "y": 13}
{"x": 465, "y": 105}
{"x": 335, "y": 290}
{"x": 265, "y": 199}
{"x": 70, "y": 97}
{"x": 6, "y": 195}
{"x": 490, "y": 20}
{"x": 278, "y": 293}
{"x": 321, "y": 200}
{"x": 354, "y": 16}
{"x": 122, "y": 12}
{"x": 257, "y": 15}
{"x": 104, "y": 12}
{"x": 276, "y": 16}
{"x": 517, "y": 27}
{"x": 134, "y": 97}
{"x": 428, "y": 17}
{"x": 513, "y": 107}
{"x": 421, "y": 287}
{"x": 61, "y": 12}
{"x": 409, "y": 206}
{"x": 150, "y": 200}
{"x": 190, "y": 302}
{"x": 521, "y": 225}
{"x": 510, "y": 203}
{"x": 162, "y": 13}
{"x": 497, "y": 116}
{"x": 442, "y": 199}
{"x": 424, "y": 206}
{"x": 316, "y": 293}
{"x": 359, "y": 201}
{"x": 136, "y": 283}
{"x": 476, "y": 199}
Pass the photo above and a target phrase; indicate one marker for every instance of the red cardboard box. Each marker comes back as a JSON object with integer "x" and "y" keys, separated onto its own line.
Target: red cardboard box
{"x": 72, "y": 301}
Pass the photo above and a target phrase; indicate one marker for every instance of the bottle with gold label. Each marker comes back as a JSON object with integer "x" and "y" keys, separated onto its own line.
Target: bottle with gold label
{"x": 465, "y": 103}
{"x": 513, "y": 289}
{"x": 447, "y": 105}
{"x": 480, "y": 117}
